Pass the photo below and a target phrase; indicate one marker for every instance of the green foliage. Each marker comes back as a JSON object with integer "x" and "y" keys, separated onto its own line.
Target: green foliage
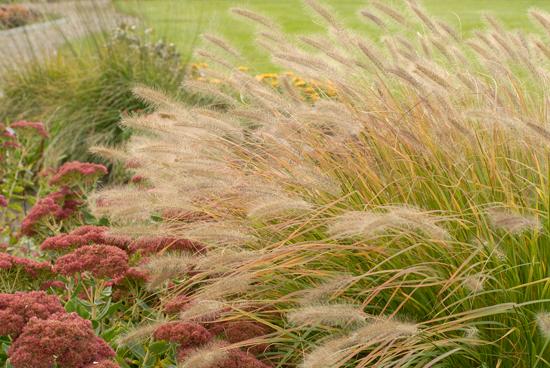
{"x": 21, "y": 153}
{"x": 82, "y": 94}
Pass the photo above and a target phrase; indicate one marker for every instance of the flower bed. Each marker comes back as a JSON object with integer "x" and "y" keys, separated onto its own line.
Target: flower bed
{"x": 17, "y": 15}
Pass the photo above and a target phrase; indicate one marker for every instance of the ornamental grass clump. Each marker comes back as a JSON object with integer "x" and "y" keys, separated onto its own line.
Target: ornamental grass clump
{"x": 415, "y": 199}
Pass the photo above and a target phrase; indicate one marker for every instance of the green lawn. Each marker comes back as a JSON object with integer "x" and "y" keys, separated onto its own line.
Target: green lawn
{"x": 180, "y": 21}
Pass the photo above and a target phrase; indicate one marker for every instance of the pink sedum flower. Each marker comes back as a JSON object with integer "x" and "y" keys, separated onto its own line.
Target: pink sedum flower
{"x": 76, "y": 171}
{"x": 186, "y": 334}
{"x": 240, "y": 359}
{"x": 84, "y": 235}
{"x": 177, "y": 304}
{"x": 102, "y": 261}
{"x": 235, "y": 359}
{"x": 237, "y": 331}
{"x": 17, "y": 309}
{"x": 11, "y": 144}
{"x": 132, "y": 274}
{"x": 31, "y": 267}
{"x": 3, "y": 201}
{"x": 64, "y": 339}
{"x": 136, "y": 179}
{"x": 57, "y": 205}
{"x": 32, "y": 126}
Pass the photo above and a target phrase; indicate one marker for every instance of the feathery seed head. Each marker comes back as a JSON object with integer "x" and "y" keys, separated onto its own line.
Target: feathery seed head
{"x": 511, "y": 222}
{"x": 370, "y": 224}
{"x": 203, "y": 310}
{"x": 475, "y": 283}
{"x": 162, "y": 268}
{"x": 208, "y": 356}
{"x": 335, "y": 315}
{"x": 325, "y": 290}
{"x": 227, "y": 285}
{"x": 543, "y": 322}
{"x": 270, "y": 208}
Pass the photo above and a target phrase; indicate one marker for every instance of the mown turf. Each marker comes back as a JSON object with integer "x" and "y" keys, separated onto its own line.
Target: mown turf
{"x": 181, "y": 21}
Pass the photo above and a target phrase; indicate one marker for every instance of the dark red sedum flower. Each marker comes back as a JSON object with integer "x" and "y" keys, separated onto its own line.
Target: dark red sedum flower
{"x": 84, "y": 235}
{"x": 237, "y": 331}
{"x": 31, "y": 267}
{"x": 33, "y": 126}
{"x": 186, "y": 334}
{"x": 235, "y": 359}
{"x": 17, "y": 309}
{"x": 64, "y": 339}
{"x": 132, "y": 274}
{"x": 75, "y": 171}
{"x": 103, "y": 261}
{"x": 177, "y": 304}
{"x": 58, "y": 205}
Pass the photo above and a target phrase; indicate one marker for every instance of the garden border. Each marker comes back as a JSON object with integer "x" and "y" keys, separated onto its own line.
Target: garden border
{"x": 33, "y": 27}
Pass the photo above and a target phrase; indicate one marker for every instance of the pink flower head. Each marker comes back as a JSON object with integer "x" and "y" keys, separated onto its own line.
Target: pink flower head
{"x": 57, "y": 205}
{"x": 32, "y": 126}
{"x": 64, "y": 242}
{"x": 89, "y": 229}
{"x": 3, "y": 201}
{"x": 84, "y": 235}
{"x": 237, "y": 331}
{"x": 8, "y": 133}
{"x": 137, "y": 179}
{"x": 177, "y": 304}
{"x": 240, "y": 359}
{"x": 235, "y": 359}
{"x": 151, "y": 245}
{"x": 31, "y": 267}
{"x": 11, "y": 144}
{"x": 75, "y": 172}
{"x": 186, "y": 334}
{"x": 64, "y": 339}
{"x": 17, "y": 309}
{"x": 133, "y": 273}
{"x": 103, "y": 261}
{"x": 133, "y": 163}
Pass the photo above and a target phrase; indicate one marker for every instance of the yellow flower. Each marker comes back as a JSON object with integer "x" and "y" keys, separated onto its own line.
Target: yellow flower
{"x": 263, "y": 76}
{"x": 298, "y": 82}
